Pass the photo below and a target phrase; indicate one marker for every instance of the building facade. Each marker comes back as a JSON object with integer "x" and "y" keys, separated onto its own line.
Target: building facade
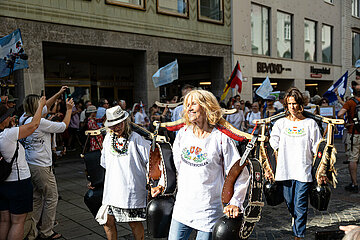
{"x": 111, "y": 48}
{"x": 306, "y": 44}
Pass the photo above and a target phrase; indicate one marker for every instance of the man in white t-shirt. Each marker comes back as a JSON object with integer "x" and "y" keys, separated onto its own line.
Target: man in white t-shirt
{"x": 237, "y": 119}
{"x": 252, "y": 115}
{"x": 82, "y": 114}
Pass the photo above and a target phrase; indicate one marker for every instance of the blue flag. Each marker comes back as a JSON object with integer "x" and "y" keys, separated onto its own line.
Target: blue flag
{"x": 12, "y": 55}
{"x": 340, "y": 85}
{"x": 265, "y": 89}
{"x": 166, "y": 74}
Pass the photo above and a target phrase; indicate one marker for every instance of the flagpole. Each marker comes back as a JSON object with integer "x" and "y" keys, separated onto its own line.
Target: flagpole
{"x": 352, "y": 72}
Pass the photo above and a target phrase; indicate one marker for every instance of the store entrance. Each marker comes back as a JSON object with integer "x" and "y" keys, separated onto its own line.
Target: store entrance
{"x": 91, "y": 72}
{"x": 199, "y": 71}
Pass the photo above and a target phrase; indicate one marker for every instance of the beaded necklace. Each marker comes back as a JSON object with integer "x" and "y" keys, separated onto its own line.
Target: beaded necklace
{"x": 120, "y": 147}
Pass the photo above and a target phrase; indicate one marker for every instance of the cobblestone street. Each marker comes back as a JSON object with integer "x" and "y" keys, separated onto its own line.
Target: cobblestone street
{"x": 76, "y": 222}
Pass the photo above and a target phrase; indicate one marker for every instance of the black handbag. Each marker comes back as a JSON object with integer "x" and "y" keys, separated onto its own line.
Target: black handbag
{"x": 93, "y": 200}
{"x": 6, "y": 167}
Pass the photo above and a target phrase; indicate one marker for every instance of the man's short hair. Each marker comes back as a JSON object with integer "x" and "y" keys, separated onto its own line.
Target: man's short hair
{"x": 102, "y": 101}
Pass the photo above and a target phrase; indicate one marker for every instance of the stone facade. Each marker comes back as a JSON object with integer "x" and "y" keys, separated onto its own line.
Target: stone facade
{"x": 96, "y": 24}
{"x": 319, "y": 11}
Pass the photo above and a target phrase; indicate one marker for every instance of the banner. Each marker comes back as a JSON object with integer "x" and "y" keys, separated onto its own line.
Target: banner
{"x": 12, "y": 54}
{"x": 340, "y": 85}
{"x": 166, "y": 74}
{"x": 265, "y": 89}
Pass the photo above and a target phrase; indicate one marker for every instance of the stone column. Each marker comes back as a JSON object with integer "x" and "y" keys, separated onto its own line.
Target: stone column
{"x": 152, "y": 65}
{"x": 34, "y": 76}
{"x": 217, "y": 76}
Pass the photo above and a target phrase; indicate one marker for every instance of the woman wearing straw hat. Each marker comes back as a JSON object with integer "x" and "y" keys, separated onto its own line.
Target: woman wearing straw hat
{"x": 91, "y": 122}
{"x": 16, "y": 198}
{"x": 125, "y": 156}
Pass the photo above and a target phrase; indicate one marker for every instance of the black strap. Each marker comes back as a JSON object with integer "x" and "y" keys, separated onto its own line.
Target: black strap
{"x": 25, "y": 120}
{"x": 15, "y": 157}
{"x": 355, "y": 100}
{"x": 353, "y": 127}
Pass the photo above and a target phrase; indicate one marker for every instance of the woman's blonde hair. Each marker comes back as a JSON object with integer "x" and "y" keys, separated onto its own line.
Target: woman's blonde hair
{"x": 127, "y": 128}
{"x": 208, "y": 103}
{"x": 31, "y": 103}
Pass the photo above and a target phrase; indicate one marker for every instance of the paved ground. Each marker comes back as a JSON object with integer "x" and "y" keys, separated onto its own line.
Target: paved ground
{"x": 76, "y": 222}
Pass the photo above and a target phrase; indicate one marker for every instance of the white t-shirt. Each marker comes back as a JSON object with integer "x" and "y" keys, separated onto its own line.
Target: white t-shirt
{"x": 200, "y": 165}
{"x": 252, "y": 116}
{"x": 8, "y": 139}
{"x": 296, "y": 142}
{"x": 139, "y": 118}
{"x": 82, "y": 116}
{"x": 236, "y": 119}
{"x": 38, "y": 145}
{"x": 278, "y": 105}
{"x": 125, "y": 176}
{"x": 176, "y": 114}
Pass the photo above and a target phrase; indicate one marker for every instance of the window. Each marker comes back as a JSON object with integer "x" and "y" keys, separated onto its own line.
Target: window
{"x": 211, "y": 11}
{"x": 355, "y": 47}
{"x": 173, "y": 7}
{"x": 355, "y": 8}
{"x": 310, "y": 40}
{"x": 138, "y": 4}
{"x": 326, "y": 44}
{"x": 259, "y": 30}
{"x": 284, "y": 43}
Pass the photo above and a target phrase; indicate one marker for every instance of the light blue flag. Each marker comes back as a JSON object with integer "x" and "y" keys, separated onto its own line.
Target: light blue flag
{"x": 357, "y": 63}
{"x": 166, "y": 74}
{"x": 340, "y": 85}
{"x": 265, "y": 89}
{"x": 12, "y": 55}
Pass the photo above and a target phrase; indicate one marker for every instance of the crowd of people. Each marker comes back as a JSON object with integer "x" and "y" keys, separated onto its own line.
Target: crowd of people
{"x": 50, "y": 128}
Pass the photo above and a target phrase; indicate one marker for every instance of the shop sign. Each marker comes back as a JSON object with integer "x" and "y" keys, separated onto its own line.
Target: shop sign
{"x": 323, "y": 70}
{"x": 263, "y": 67}
{"x": 318, "y": 72}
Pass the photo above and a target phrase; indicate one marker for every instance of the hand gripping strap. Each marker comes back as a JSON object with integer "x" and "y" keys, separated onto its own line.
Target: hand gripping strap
{"x": 252, "y": 212}
{"x": 324, "y": 163}
{"x": 161, "y": 162}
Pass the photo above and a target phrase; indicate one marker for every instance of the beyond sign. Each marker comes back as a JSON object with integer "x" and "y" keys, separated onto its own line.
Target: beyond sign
{"x": 263, "y": 67}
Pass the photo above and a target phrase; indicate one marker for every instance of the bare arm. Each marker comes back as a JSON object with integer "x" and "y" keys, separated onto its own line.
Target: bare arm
{"x": 69, "y": 106}
{"x": 28, "y": 129}
{"x": 52, "y": 100}
{"x": 341, "y": 113}
{"x": 338, "y": 97}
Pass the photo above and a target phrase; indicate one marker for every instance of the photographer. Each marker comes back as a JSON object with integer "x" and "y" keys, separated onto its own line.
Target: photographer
{"x": 39, "y": 157}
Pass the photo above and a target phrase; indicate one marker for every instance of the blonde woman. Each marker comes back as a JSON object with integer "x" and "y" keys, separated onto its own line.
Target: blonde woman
{"x": 202, "y": 156}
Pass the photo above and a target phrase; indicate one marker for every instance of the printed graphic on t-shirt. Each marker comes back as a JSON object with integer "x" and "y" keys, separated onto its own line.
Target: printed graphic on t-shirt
{"x": 194, "y": 156}
{"x": 295, "y": 131}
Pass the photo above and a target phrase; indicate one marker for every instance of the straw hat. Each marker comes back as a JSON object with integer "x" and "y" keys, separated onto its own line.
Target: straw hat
{"x": 91, "y": 109}
{"x": 114, "y": 116}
